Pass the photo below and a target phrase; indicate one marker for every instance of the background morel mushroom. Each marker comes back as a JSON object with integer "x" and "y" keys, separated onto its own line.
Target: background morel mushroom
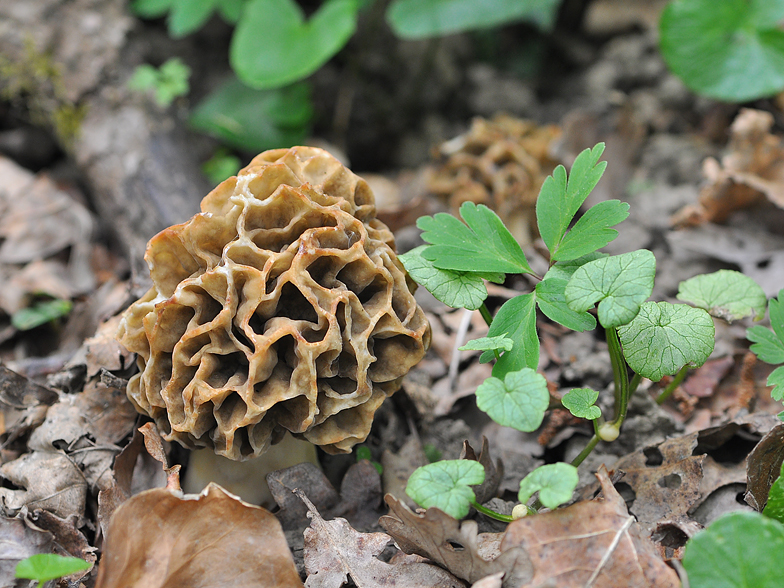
{"x": 280, "y": 307}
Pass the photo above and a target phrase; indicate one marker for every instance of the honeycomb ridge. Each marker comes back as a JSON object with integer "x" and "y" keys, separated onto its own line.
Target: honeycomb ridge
{"x": 281, "y": 306}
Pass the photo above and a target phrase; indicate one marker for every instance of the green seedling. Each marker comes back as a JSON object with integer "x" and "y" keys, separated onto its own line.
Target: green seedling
{"x": 40, "y": 313}
{"x": 168, "y": 82}
{"x": 769, "y": 346}
{"x": 363, "y": 452}
{"x": 741, "y": 548}
{"x": 731, "y": 50}
{"x": 652, "y": 339}
{"x": 48, "y": 566}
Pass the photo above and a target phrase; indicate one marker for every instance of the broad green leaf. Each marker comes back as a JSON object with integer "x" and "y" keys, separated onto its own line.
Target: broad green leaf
{"x": 187, "y": 16}
{"x": 415, "y": 19}
{"x": 592, "y": 231}
{"x": 516, "y": 319}
{"x": 581, "y": 402}
{"x": 554, "y": 482}
{"x": 664, "y": 337}
{"x": 738, "y": 550}
{"x": 482, "y": 244}
{"x": 231, "y": 10}
{"x": 151, "y": 8}
{"x": 619, "y": 283}
{"x": 776, "y": 379}
{"x": 774, "y": 509}
{"x": 255, "y": 119}
{"x": 220, "y": 166}
{"x": 725, "y": 294}
{"x": 559, "y": 199}
{"x": 40, "y": 314}
{"x": 769, "y": 345}
{"x": 446, "y": 485}
{"x": 273, "y": 45}
{"x": 552, "y": 302}
{"x": 49, "y": 566}
{"x": 518, "y": 401}
{"x": 564, "y": 270}
{"x": 731, "y": 50}
{"x": 500, "y": 343}
{"x": 453, "y": 288}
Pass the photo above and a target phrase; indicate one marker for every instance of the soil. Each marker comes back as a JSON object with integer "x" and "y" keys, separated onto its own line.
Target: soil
{"x": 385, "y": 107}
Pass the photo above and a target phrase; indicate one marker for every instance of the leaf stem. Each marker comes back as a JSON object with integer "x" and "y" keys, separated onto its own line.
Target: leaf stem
{"x": 620, "y": 376}
{"x": 486, "y": 314}
{"x": 491, "y": 513}
{"x": 670, "y": 388}
{"x": 586, "y": 451}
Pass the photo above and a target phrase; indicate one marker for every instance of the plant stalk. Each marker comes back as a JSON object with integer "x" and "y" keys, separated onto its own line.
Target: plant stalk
{"x": 670, "y": 388}
{"x": 486, "y": 314}
{"x": 491, "y": 513}
{"x": 586, "y": 450}
{"x": 620, "y": 376}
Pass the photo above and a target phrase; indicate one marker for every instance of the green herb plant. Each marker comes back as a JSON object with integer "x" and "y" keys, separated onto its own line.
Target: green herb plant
{"x": 581, "y": 286}
{"x": 167, "y": 82}
{"x": 49, "y": 566}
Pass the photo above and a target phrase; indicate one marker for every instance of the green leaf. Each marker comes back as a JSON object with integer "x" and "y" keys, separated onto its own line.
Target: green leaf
{"x": 593, "y": 230}
{"x": 738, "y": 550}
{"x": 255, "y": 119}
{"x": 273, "y": 45}
{"x": 555, "y": 482}
{"x": 485, "y": 245}
{"x": 725, "y": 294}
{"x": 151, "y": 8}
{"x": 619, "y": 283}
{"x": 516, "y": 319}
{"x": 231, "y": 10}
{"x": 519, "y": 401}
{"x": 581, "y": 402}
{"x": 664, "y": 337}
{"x": 453, "y": 288}
{"x": 500, "y": 343}
{"x": 731, "y": 50}
{"x": 446, "y": 485}
{"x": 49, "y": 566}
{"x": 559, "y": 199}
{"x": 415, "y": 19}
{"x": 769, "y": 345}
{"x": 552, "y": 302}
{"x": 40, "y": 314}
{"x": 220, "y": 166}
{"x": 774, "y": 508}
{"x": 187, "y": 16}
{"x": 168, "y": 82}
{"x": 776, "y": 379}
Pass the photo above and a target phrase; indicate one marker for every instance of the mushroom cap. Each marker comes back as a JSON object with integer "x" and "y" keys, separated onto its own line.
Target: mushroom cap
{"x": 281, "y": 306}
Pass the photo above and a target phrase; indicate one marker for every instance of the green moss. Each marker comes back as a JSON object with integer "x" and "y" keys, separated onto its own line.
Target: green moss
{"x": 34, "y": 84}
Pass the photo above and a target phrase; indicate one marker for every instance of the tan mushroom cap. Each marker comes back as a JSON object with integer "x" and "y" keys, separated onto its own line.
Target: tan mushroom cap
{"x": 281, "y": 306}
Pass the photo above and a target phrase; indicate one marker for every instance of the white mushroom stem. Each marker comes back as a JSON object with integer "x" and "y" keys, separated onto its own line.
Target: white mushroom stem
{"x": 246, "y": 479}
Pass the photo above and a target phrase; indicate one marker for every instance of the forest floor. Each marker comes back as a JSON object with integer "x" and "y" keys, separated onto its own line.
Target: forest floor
{"x": 74, "y": 220}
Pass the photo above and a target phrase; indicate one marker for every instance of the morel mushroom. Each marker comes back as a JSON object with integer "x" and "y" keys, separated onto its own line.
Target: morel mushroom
{"x": 280, "y": 307}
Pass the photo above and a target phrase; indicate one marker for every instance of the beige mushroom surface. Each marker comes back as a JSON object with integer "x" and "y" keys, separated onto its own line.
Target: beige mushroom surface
{"x": 281, "y": 306}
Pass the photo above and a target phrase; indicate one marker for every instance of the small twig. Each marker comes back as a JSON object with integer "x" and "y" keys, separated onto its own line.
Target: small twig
{"x": 460, "y": 336}
{"x": 610, "y": 549}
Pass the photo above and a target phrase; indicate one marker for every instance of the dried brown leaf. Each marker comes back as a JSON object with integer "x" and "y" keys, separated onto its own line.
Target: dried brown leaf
{"x": 592, "y": 543}
{"x": 158, "y": 539}
{"x": 399, "y": 466}
{"x": 494, "y": 472}
{"x": 334, "y": 550}
{"x": 19, "y": 541}
{"x": 51, "y": 481}
{"x": 763, "y": 466}
{"x": 455, "y": 545}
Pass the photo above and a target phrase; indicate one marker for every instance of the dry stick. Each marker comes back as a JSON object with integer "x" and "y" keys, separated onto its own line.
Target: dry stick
{"x": 608, "y": 553}
{"x": 462, "y": 330}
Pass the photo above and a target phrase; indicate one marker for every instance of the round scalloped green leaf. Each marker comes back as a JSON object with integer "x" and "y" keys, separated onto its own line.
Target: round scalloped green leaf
{"x": 664, "y": 337}
{"x": 554, "y": 482}
{"x": 731, "y": 50}
{"x": 519, "y": 401}
{"x": 620, "y": 284}
{"x": 738, "y": 550}
{"x": 446, "y": 485}
{"x": 725, "y": 294}
{"x": 581, "y": 403}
